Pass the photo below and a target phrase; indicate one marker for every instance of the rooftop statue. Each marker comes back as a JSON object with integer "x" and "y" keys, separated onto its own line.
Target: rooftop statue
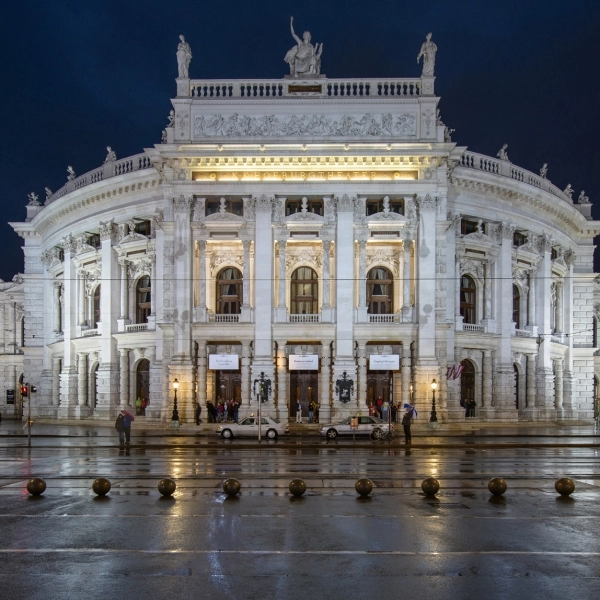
{"x": 583, "y": 199}
{"x": 428, "y": 50}
{"x": 502, "y": 153}
{"x": 70, "y": 173}
{"x": 569, "y": 191}
{"x": 184, "y": 57}
{"x": 111, "y": 156}
{"x": 33, "y": 199}
{"x": 304, "y": 58}
{"x": 544, "y": 170}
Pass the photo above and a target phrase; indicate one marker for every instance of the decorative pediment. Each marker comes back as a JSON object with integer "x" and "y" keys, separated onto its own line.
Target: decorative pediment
{"x": 223, "y": 217}
{"x": 304, "y": 217}
{"x": 480, "y": 237}
{"x": 132, "y": 236}
{"x": 303, "y": 255}
{"x": 471, "y": 267}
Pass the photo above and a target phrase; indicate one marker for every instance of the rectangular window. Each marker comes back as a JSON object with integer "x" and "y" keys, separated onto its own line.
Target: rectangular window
{"x": 519, "y": 239}
{"x": 467, "y": 226}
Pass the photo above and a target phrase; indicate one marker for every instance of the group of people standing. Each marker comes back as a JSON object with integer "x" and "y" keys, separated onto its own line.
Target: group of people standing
{"x": 313, "y": 412}
{"x": 225, "y": 411}
{"x": 382, "y": 409}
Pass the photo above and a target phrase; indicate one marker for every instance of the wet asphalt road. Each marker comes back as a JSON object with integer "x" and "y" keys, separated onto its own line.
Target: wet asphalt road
{"x": 530, "y": 543}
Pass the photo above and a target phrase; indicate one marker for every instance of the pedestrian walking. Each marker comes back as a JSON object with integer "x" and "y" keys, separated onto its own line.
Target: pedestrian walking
{"x": 198, "y": 413}
{"x": 212, "y": 413}
{"x": 298, "y": 412}
{"x": 394, "y": 410}
{"x": 236, "y": 409}
{"x": 407, "y": 418}
{"x": 123, "y": 426}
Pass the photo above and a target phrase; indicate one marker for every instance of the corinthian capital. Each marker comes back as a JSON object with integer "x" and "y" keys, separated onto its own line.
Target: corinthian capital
{"x": 108, "y": 230}
{"x": 69, "y": 243}
{"x": 264, "y": 204}
{"x": 507, "y": 230}
{"x": 183, "y": 203}
{"x": 427, "y": 202}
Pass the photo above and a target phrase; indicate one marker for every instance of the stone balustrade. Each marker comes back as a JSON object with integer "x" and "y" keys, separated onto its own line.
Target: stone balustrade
{"x": 137, "y": 162}
{"x": 304, "y": 318}
{"x": 322, "y": 87}
{"x": 473, "y": 160}
{"x": 136, "y": 328}
{"x": 89, "y": 332}
{"x": 384, "y": 318}
{"x": 523, "y": 333}
{"x": 223, "y": 318}
{"x": 471, "y": 328}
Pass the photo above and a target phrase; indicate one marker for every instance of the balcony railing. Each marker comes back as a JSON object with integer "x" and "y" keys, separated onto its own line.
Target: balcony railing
{"x": 384, "y": 318}
{"x": 223, "y": 318}
{"x": 217, "y": 89}
{"x": 136, "y": 328}
{"x": 304, "y": 318}
{"x": 137, "y": 162}
{"x": 473, "y": 160}
{"x": 470, "y": 327}
{"x": 90, "y": 332}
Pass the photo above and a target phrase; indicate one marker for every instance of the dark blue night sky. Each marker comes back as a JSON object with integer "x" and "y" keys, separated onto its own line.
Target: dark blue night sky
{"x": 80, "y": 75}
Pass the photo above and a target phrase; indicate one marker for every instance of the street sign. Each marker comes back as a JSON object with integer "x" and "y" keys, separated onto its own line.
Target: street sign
{"x": 353, "y": 422}
{"x": 10, "y": 396}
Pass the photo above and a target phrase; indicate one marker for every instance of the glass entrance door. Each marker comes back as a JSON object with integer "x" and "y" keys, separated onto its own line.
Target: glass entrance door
{"x": 304, "y": 386}
{"x": 378, "y": 384}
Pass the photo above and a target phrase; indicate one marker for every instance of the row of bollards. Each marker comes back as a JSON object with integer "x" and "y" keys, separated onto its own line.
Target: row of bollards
{"x": 430, "y": 486}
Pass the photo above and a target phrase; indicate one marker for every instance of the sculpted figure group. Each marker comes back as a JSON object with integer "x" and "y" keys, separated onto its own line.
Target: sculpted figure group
{"x": 304, "y": 58}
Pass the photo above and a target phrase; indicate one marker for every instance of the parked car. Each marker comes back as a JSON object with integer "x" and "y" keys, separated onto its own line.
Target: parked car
{"x": 248, "y": 427}
{"x": 365, "y": 426}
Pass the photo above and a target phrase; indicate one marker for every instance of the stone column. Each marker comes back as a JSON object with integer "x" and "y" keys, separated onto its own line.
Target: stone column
{"x": 362, "y": 376}
{"x": 326, "y": 273}
{"x": 531, "y": 300}
{"x": 2, "y": 329}
{"x": 124, "y": 401}
{"x": 201, "y": 380}
{"x": 487, "y": 291}
{"x": 281, "y": 311}
{"x": 457, "y": 315}
{"x": 202, "y": 280}
{"x": 406, "y": 304}
{"x": 405, "y": 374}
{"x": 55, "y": 381}
{"x": 486, "y": 396}
{"x": 558, "y": 318}
{"x": 82, "y": 379}
{"x": 152, "y": 257}
{"x": 282, "y": 396}
{"x": 81, "y": 301}
{"x": 246, "y": 275}
{"x": 246, "y": 399}
{"x": 427, "y": 365}
{"x": 123, "y": 263}
{"x": 56, "y": 307}
{"x": 362, "y": 272}
{"x": 558, "y": 384}
{"x": 13, "y": 325}
{"x": 531, "y": 387}
{"x": 325, "y": 395}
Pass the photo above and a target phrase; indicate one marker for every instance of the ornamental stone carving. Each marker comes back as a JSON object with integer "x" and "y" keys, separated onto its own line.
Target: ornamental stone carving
{"x": 278, "y": 214}
{"x": 108, "y": 230}
{"x": 367, "y": 125}
{"x": 69, "y": 243}
{"x": 427, "y": 202}
{"x": 34, "y": 199}
{"x": 570, "y": 258}
{"x": 92, "y": 275}
{"x": 184, "y": 57}
{"x": 296, "y": 256}
{"x": 264, "y": 204}
{"x": 249, "y": 209}
{"x": 330, "y": 210}
{"x": 387, "y": 256}
{"x": 345, "y": 203}
{"x": 544, "y": 243}
{"x": 132, "y": 236}
{"x": 139, "y": 267}
{"x": 469, "y": 266}
{"x": 18, "y": 278}
{"x": 182, "y": 203}
{"x": 303, "y": 58}
{"x": 182, "y": 120}
{"x": 507, "y": 230}
{"x": 49, "y": 258}
{"x": 83, "y": 246}
{"x": 225, "y": 255}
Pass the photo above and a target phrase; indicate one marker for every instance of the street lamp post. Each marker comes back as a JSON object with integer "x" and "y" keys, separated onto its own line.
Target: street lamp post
{"x": 175, "y": 416}
{"x": 433, "y": 422}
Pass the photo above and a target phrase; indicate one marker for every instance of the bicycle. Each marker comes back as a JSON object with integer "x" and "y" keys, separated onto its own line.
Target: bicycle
{"x": 379, "y": 434}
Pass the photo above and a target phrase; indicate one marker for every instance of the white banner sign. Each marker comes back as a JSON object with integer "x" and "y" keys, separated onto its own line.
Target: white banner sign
{"x": 303, "y": 362}
{"x": 384, "y": 362}
{"x": 223, "y": 362}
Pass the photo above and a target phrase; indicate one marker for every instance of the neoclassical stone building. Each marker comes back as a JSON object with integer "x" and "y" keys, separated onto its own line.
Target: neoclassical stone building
{"x": 315, "y": 230}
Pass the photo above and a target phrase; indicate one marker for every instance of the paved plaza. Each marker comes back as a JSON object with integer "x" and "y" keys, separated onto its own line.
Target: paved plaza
{"x": 464, "y": 543}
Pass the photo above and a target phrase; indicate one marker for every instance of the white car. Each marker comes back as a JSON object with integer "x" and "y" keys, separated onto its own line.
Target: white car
{"x": 365, "y": 426}
{"x": 248, "y": 427}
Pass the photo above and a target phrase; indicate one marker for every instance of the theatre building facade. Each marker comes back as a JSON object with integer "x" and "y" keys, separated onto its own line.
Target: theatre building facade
{"x": 325, "y": 233}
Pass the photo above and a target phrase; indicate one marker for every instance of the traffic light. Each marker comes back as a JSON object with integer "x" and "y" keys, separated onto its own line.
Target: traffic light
{"x": 24, "y": 391}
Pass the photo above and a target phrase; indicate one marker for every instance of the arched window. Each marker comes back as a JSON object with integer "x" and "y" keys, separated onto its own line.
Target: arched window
{"x": 143, "y": 291}
{"x": 229, "y": 291}
{"x": 468, "y": 296}
{"x": 379, "y": 291}
{"x": 304, "y": 292}
{"x": 516, "y": 311}
{"x": 96, "y": 313}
